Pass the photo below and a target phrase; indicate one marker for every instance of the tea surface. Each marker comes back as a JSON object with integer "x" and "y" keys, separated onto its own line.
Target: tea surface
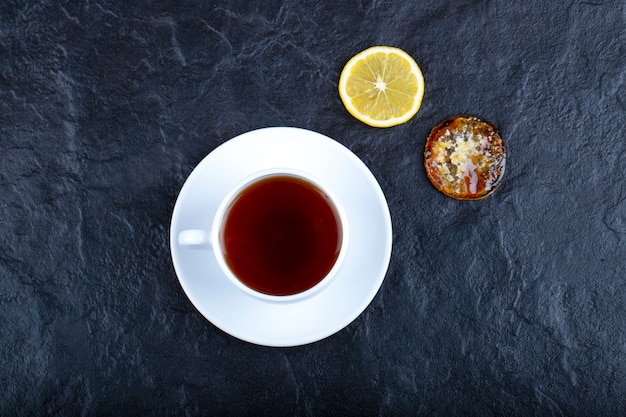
{"x": 281, "y": 235}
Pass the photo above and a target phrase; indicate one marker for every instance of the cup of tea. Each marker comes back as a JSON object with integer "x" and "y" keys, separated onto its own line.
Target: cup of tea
{"x": 278, "y": 235}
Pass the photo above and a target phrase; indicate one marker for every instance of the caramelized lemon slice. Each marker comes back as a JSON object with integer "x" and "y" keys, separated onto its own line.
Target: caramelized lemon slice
{"x": 465, "y": 158}
{"x": 382, "y": 86}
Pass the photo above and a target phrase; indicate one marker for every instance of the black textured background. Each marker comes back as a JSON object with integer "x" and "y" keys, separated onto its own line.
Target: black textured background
{"x": 510, "y": 306}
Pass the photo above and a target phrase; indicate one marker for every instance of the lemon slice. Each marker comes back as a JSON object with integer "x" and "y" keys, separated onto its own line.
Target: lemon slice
{"x": 382, "y": 86}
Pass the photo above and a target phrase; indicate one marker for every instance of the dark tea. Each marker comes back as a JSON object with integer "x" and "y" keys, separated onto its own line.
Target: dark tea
{"x": 281, "y": 235}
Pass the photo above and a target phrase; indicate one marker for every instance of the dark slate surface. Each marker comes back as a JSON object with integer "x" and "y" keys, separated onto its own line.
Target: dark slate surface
{"x": 511, "y": 306}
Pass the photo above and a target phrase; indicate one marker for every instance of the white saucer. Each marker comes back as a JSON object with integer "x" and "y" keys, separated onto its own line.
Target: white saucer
{"x": 305, "y": 320}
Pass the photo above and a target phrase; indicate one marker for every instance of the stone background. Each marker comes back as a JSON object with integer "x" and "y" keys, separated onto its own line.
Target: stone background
{"x": 510, "y": 306}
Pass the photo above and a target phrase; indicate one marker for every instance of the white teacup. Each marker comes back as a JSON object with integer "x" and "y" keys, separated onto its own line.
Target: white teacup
{"x": 287, "y": 237}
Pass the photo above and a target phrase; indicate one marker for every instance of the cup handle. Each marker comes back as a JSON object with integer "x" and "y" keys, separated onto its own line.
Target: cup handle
{"x": 195, "y": 238}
